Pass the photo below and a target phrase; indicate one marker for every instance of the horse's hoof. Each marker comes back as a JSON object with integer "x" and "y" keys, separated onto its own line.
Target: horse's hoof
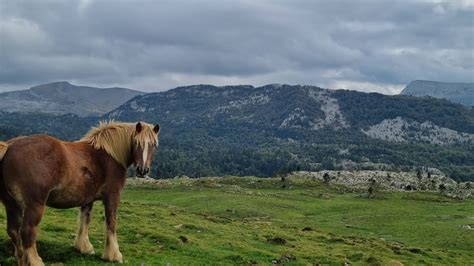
{"x": 34, "y": 262}
{"x": 90, "y": 251}
{"x": 113, "y": 257}
{"x": 84, "y": 247}
{"x": 31, "y": 259}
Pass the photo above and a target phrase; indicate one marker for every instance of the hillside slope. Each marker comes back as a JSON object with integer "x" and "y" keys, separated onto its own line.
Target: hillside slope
{"x": 462, "y": 93}
{"x": 210, "y": 130}
{"x": 285, "y": 107}
{"x": 62, "y": 98}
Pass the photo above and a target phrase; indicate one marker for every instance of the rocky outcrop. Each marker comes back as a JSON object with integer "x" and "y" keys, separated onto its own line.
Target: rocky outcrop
{"x": 394, "y": 181}
{"x": 404, "y": 130}
{"x": 333, "y": 116}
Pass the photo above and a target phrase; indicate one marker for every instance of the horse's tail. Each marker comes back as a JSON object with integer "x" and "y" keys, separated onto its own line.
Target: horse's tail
{"x": 3, "y": 149}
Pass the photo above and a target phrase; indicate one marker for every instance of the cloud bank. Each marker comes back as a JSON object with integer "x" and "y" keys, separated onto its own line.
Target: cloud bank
{"x": 366, "y": 45}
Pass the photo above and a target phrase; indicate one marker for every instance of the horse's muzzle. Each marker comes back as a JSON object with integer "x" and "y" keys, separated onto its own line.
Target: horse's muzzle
{"x": 142, "y": 171}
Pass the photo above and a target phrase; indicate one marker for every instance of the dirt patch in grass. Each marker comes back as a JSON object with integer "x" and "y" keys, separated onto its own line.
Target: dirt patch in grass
{"x": 277, "y": 240}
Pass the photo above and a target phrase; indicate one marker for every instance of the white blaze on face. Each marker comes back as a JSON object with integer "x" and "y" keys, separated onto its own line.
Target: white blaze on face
{"x": 145, "y": 153}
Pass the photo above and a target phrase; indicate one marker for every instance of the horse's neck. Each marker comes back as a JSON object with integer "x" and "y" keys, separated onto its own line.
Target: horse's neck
{"x": 103, "y": 155}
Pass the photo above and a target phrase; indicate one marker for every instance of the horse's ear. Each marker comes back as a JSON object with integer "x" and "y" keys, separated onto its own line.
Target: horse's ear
{"x": 156, "y": 128}
{"x": 138, "y": 127}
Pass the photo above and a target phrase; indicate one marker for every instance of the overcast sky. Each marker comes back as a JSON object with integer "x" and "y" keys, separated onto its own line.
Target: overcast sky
{"x": 157, "y": 45}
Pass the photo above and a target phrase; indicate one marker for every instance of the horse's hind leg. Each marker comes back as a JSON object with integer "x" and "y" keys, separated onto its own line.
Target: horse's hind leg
{"x": 13, "y": 226}
{"x": 82, "y": 242}
{"x": 28, "y": 230}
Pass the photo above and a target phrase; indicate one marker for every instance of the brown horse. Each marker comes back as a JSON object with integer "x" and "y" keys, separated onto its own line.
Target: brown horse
{"x": 39, "y": 170}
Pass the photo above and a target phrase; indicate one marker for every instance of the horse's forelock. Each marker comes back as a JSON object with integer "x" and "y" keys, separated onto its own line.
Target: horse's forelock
{"x": 146, "y": 136}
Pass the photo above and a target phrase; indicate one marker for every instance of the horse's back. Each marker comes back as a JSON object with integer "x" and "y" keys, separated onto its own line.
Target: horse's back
{"x": 31, "y": 151}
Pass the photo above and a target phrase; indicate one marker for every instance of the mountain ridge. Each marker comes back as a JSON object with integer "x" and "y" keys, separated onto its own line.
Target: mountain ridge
{"x": 327, "y": 107}
{"x": 458, "y": 92}
{"x": 62, "y": 97}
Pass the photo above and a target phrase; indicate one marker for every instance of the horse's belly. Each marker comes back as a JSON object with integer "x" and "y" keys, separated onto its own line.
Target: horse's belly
{"x": 63, "y": 199}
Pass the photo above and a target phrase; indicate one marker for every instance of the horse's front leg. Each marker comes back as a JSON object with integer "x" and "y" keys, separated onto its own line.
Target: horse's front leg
{"x": 111, "y": 252}
{"x": 82, "y": 242}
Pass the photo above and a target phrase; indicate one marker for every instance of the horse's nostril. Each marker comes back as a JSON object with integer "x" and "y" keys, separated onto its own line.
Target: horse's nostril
{"x": 146, "y": 171}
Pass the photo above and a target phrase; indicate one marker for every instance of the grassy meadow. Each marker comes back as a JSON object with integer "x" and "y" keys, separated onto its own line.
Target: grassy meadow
{"x": 230, "y": 220}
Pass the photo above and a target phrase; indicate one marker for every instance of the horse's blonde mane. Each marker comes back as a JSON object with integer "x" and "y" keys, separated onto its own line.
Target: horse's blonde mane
{"x": 116, "y": 138}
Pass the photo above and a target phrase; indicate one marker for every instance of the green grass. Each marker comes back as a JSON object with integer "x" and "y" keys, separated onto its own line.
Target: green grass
{"x": 248, "y": 220}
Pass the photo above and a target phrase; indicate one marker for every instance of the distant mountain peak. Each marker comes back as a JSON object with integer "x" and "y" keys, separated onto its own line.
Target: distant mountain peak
{"x": 458, "y": 92}
{"x": 63, "y": 97}
{"x": 55, "y": 83}
{"x": 51, "y": 87}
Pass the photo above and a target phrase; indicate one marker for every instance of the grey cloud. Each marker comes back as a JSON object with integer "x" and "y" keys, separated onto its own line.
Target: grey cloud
{"x": 155, "y": 45}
